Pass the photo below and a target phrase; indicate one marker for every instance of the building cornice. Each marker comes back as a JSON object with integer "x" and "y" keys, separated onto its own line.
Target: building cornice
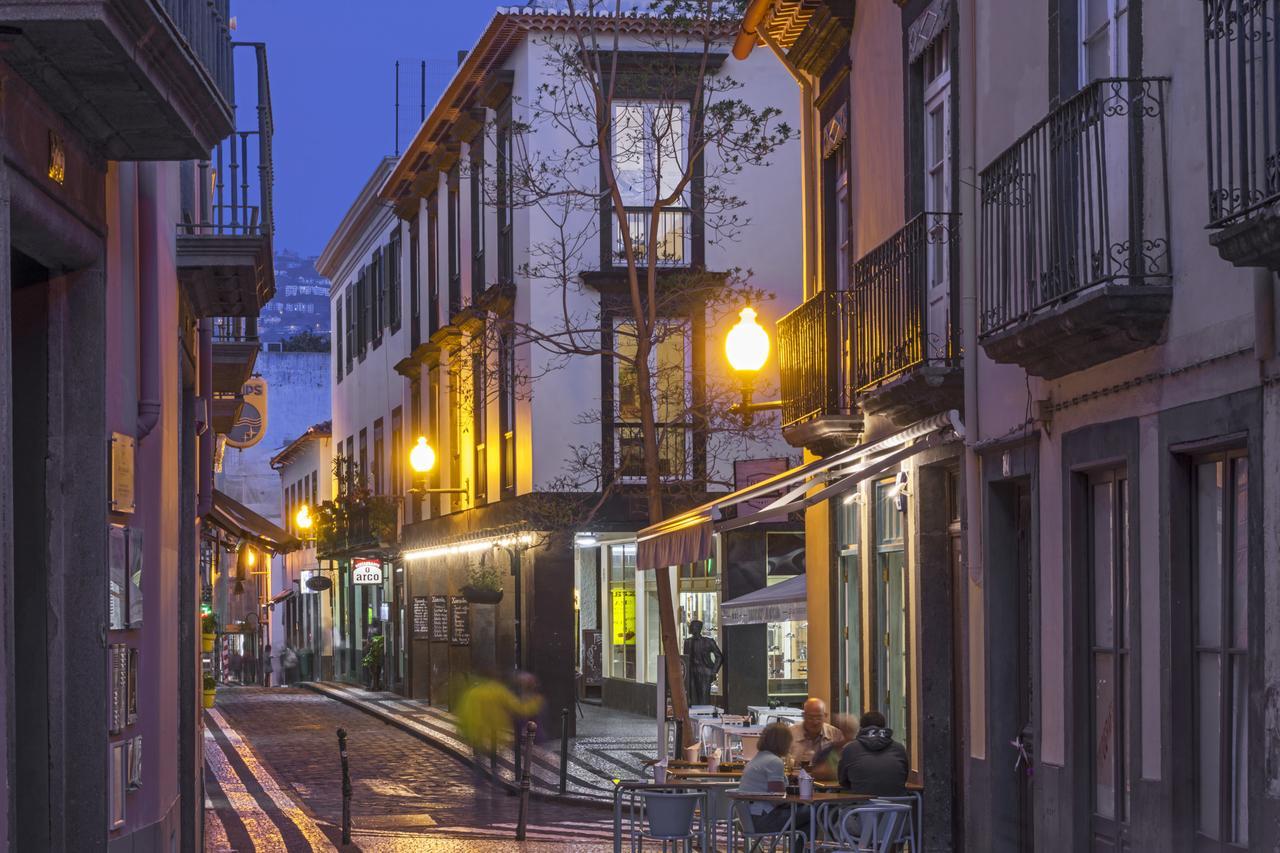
{"x": 356, "y": 222}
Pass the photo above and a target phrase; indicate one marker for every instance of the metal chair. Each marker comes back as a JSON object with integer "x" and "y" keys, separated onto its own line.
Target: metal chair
{"x": 906, "y": 830}
{"x": 668, "y": 818}
{"x": 743, "y": 826}
{"x": 871, "y": 828}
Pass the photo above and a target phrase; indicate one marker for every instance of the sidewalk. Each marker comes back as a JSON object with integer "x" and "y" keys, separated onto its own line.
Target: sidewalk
{"x": 610, "y": 744}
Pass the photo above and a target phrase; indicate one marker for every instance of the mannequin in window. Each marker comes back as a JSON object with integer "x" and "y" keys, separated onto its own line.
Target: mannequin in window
{"x": 702, "y": 660}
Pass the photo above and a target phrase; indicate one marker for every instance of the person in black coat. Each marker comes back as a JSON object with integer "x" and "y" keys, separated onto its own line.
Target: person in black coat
{"x": 874, "y": 763}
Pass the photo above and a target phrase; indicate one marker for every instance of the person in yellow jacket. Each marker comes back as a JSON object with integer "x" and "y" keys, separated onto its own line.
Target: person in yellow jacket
{"x": 487, "y": 711}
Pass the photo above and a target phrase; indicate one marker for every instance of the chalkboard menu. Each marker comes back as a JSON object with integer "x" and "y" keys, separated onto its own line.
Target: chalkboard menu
{"x": 421, "y": 616}
{"x": 440, "y": 618}
{"x": 461, "y": 612}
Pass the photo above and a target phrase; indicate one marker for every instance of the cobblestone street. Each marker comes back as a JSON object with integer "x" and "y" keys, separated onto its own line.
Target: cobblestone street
{"x": 273, "y": 782}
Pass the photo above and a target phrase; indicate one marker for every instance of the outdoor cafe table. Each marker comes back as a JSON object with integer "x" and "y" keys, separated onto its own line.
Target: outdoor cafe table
{"x": 821, "y": 803}
{"x": 633, "y": 786}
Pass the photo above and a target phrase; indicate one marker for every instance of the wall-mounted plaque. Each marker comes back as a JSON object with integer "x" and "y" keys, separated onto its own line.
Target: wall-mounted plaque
{"x": 421, "y": 617}
{"x": 122, "y": 448}
{"x": 119, "y": 656}
{"x": 460, "y": 613}
{"x": 118, "y": 764}
{"x": 117, "y": 577}
{"x": 440, "y": 618}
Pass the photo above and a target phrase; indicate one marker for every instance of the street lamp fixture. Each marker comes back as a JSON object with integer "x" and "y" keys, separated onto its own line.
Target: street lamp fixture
{"x": 303, "y": 517}
{"x": 422, "y": 458}
{"x": 747, "y": 349}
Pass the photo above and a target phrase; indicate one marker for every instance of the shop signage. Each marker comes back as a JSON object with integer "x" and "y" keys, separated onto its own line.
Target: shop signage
{"x": 460, "y": 611}
{"x": 421, "y": 616}
{"x": 366, "y": 571}
{"x": 252, "y": 423}
{"x": 440, "y": 618}
{"x": 313, "y": 582}
{"x": 122, "y": 451}
{"x": 624, "y": 617}
{"x": 748, "y": 472}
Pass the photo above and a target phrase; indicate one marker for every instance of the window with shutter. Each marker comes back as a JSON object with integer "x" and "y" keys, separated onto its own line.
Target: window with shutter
{"x": 350, "y": 328}
{"x": 393, "y": 280}
{"x": 378, "y": 292}
{"x": 337, "y": 340}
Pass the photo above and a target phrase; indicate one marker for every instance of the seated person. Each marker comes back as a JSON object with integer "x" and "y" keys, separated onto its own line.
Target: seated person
{"x": 874, "y": 763}
{"x": 813, "y": 733}
{"x": 767, "y": 766}
{"x": 825, "y": 765}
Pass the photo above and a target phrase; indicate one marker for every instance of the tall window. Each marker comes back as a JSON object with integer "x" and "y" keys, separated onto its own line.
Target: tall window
{"x": 1220, "y": 602}
{"x": 892, "y": 609}
{"x": 362, "y": 311}
{"x": 351, "y": 325}
{"x": 455, "y": 245}
{"x": 477, "y": 217}
{"x": 505, "y": 182}
{"x": 1109, "y": 631}
{"x": 433, "y": 426}
{"x": 364, "y": 458}
{"x": 621, "y": 621}
{"x": 338, "y": 329}
{"x": 650, "y": 155}
{"x": 850, "y": 532}
{"x": 433, "y": 266}
{"x": 393, "y": 279}
{"x": 1104, "y": 31}
{"x": 379, "y": 484}
{"x": 936, "y": 68}
{"x": 415, "y": 283}
{"x": 415, "y": 430}
{"x": 479, "y": 423}
{"x": 507, "y": 404}
{"x": 397, "y": 451}
{"x": 377, "y": 296}
{"x": 455, "y": 433}
{"x": 670, "y": 368}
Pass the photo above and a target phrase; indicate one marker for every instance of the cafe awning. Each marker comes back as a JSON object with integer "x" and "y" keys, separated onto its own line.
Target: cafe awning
{"x": 782, "y": 602}
{"x": 686, "y": 537}
{"x": 238, "y": 520}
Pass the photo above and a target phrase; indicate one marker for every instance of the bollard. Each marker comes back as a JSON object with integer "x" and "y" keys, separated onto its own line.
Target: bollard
{"x": 346, "y": 787}
{"x": 524, "y": 780}
{"x": 516, "y": 756}
{"x": 564, "y": 750}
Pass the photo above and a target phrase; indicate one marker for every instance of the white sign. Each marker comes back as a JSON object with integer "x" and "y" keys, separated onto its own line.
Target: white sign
{"x": 366, "y": 570}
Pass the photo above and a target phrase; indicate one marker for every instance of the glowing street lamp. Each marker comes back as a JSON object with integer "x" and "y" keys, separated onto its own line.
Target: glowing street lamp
{"x": 747, "y": 349}
{"x": 303, "y": 518}
{"x": 422, "y": 458}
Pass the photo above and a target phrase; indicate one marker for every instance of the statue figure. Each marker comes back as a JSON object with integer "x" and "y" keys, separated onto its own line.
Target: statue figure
{"x": 702, "y": 660}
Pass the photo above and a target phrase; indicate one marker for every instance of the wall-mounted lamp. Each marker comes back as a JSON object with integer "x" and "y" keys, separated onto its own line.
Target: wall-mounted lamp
{"x": 900, "y": 492}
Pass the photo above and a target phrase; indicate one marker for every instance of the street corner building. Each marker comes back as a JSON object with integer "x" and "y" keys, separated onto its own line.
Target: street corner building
{"x": 497, "y": 554}
{"x": 131, "y": 279}
{"x": 1035, "y": 378}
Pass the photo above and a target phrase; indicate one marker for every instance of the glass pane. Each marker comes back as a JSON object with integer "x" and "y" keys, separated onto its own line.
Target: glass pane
{"x": 898, "y": 700}
{"x": 1240, "y": 556}
{"x": 1122, "y": 726}
{"x": 652, "y": 632}
{"x": 1097, "y": 53}
{"x": 1208, "y": 758}
{"x": 669, "y": 139}
{"x": 1102, "y": 575}
{"x": 628, "y": 151}
{"x": 1239, "y": 748}
{"x": 852, "y": 674}
{"x": 1096, "y": 11}
{"x": 1104, "y": 734}
{"x": 1208, "y": 571}
{"x": 1124, "y": 567}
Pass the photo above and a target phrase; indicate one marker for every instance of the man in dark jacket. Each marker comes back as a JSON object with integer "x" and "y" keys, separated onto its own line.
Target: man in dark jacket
{"x": 874, "y": 763}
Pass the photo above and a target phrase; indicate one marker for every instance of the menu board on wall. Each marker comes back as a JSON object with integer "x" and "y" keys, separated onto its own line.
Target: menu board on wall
{"x": 461, "y": 612}
{"x": 440, "y": 618}
{"x": 421, "y": 616}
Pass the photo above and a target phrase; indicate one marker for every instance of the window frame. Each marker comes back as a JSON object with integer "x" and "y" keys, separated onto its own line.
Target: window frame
{"x": 475, "y": 179}
{"x": 453, "y": 203}
{"x": 392, "y": 255}
{"x": 677, "y": 218}
{"x": 415, "y": 281}
{"x": 1116, "y": 31}
{"x": 616, "y": 425}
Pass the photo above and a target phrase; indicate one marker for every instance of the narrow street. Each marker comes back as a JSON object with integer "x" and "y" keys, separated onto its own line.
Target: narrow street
{"x": 273, "y": 782}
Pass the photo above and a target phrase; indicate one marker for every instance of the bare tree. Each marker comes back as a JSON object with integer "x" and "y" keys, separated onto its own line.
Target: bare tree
{"x": 649, "y": 127}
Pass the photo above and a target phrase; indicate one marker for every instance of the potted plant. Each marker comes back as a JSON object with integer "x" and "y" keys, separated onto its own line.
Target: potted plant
{"x": 210, "y": 689}
{"x": 373, "y": 661}
{"x": 484, "y": 585}
{"x": 208, "y": 632}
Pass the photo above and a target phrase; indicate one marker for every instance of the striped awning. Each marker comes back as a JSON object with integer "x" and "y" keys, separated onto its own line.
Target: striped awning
{"x": 783, "y": 602}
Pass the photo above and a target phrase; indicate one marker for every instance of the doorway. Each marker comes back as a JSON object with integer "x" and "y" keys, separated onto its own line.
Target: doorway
{"x": 1011, "y": 706}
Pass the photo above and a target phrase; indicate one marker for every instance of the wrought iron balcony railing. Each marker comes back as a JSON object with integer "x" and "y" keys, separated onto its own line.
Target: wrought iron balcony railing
{"x": 240, "y": 176}
{"x": 674, "y": 244}
{"x": 896, "y": 328}
{"x": 1080, "y": 200}
{"x": 1242, "y": 79}
{"x": 814, "y": 359}
{"x": 206, "y": 26}
{"x": 235, "y": 330}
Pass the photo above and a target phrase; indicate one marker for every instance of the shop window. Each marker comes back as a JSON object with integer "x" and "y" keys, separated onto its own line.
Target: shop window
{"x": 1220, "y": 593}
{"x": 652, "y": 625}
{"x": 699, "y": 598}
{"x": 788, "y": 641}
{"x": 892, "y": 665}
{"x": 850, "y": 534}
{"x": 621, "y": 606}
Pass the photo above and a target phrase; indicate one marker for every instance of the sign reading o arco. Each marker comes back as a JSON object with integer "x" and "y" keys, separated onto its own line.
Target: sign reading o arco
{"x": 366, "y": 570}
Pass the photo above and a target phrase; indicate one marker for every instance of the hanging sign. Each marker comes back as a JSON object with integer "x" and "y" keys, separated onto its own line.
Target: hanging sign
{"x": 252, "y": 423}
{"x": 366, "y": 570}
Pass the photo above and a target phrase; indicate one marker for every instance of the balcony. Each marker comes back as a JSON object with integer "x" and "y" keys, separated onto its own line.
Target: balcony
{"x": 138, "y": 79}
{"x": 235, "y": 352}
{"x": 1074, "y": 235}
{"x": 905, "y": 351}
{"x": 674, "y": 239}
{"x": 224, "y": 244}
{"x": 816, "y": 373}
{"x": 1242, "y": 76}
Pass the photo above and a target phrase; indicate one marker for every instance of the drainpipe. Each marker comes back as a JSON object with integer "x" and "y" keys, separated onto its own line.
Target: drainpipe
{"x": 207, "y": 436}
{"x": 1264, "y": 314}
{"x": 127, "y": 404}
{"x": 148, "y": 297}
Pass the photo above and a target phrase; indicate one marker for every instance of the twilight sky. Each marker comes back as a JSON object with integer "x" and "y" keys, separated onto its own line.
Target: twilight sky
{"x": 332, "y": 68}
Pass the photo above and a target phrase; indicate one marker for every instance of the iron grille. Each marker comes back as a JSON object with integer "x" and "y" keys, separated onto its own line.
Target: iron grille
{"x": 814, "y": 359}
{"x": 896, "y": 328}
{"x": 205, "y": 24}
{"x": 1080, "y": 200}
{"x": 673, "y": 241}
{"x": 1242, "y": 84}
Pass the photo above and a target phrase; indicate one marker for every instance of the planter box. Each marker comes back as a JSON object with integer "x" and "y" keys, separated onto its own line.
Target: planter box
{"x": 481, "y": 596}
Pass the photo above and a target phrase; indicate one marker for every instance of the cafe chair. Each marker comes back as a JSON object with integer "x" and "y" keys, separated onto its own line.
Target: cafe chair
{"x": 906, "y": 829}
{"x": 744, "y": 836}
{"x": 668, "y": 818}
{"x": 871, "y": 828}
